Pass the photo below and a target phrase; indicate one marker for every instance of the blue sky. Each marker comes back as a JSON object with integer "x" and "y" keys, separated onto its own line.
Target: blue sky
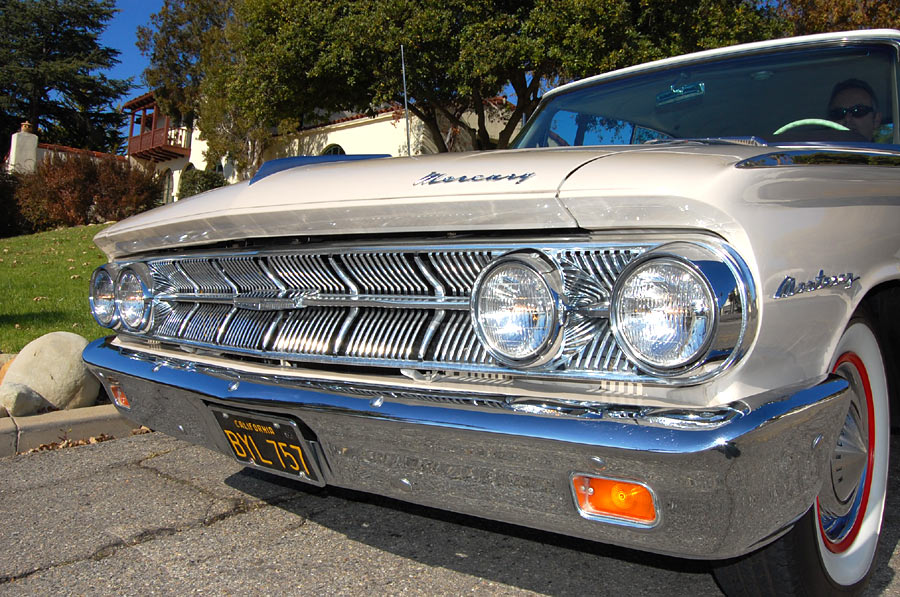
{"x": 121, "y": 34}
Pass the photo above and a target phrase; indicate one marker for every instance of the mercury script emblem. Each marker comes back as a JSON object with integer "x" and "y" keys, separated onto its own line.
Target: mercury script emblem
{"x": 441, "y": 177}
{"x": 789, "y": 286}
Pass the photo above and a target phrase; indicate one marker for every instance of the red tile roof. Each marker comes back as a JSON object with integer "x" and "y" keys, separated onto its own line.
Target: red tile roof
{"x": 65, "y": 149}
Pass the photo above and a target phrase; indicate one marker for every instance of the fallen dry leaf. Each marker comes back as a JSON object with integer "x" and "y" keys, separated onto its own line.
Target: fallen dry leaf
{"x": 69, "y": 443}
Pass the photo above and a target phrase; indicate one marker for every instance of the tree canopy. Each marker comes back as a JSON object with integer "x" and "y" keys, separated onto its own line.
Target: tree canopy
{"x": 821, "y": 16}
{"x": 184, "y": 39}
{"x": 278, "y": 65}
{"x": 51, "y": 72}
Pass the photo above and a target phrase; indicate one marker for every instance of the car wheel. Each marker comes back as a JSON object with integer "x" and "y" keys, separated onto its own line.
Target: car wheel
{"x": 831, "y": 549}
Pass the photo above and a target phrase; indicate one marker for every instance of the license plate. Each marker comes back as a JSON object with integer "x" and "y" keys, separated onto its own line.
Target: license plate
{"x": 269, "y": 443}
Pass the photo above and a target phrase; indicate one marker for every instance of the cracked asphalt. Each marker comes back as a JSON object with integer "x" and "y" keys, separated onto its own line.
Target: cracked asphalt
{"x": 154, "y": 516}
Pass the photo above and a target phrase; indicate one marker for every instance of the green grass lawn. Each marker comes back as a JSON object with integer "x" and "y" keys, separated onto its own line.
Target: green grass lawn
{"x": 44, "y": 285}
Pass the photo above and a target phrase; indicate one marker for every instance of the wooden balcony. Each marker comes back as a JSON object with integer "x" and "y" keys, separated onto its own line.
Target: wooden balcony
{"x": 161, "y": 144}
{"x": 152, "y": 136}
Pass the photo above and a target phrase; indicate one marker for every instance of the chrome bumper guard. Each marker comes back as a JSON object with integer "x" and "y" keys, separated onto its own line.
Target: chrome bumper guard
{"x": 722, "y": 489}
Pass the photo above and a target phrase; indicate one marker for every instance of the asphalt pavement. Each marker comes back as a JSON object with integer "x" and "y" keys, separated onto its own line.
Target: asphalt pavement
{"x": 151, "y": 515}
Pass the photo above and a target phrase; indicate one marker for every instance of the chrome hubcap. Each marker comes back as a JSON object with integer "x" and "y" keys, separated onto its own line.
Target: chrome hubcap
{"x": 840, "y": 502}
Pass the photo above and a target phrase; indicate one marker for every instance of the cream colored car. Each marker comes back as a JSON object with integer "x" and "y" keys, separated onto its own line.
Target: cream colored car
{"x": 666, "y": 320}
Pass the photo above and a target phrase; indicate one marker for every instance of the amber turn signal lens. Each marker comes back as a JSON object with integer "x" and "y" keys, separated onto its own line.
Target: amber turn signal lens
{"x": 118, "y": 396}
{"x": 612, "y": 498}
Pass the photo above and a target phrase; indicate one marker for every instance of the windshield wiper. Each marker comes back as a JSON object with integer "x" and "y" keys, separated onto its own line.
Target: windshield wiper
{"x": 752, "y": 141}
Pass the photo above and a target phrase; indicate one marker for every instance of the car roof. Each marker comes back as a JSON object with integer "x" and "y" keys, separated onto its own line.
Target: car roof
{"x": 737, "y": 50}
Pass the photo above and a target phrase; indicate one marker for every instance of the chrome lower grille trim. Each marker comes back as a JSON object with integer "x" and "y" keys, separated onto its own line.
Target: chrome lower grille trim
{"x": 388, "y": 306}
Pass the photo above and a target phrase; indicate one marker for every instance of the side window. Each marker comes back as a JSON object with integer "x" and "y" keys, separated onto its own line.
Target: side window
{"x": 577, "y": 128}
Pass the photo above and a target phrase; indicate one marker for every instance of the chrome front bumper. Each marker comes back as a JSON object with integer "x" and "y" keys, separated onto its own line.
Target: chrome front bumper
{"x": 722, "y": 488}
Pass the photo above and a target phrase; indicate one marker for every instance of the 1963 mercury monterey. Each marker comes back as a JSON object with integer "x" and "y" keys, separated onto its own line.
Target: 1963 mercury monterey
{"x": 666, "y": 320}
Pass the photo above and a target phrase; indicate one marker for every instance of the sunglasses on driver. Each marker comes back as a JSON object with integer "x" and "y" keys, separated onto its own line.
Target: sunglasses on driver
{"x": 857, "y": 111}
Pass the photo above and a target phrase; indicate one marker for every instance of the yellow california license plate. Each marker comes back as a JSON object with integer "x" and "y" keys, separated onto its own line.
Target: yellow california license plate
{"x": 266, "y": 442}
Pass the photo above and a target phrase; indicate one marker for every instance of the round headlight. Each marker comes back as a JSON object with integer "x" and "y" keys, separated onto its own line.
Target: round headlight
{"x": 515, "y": 310}
{"x": 103, "y": 297}
{"x": 132, "y": 299}
{"x": 664, "y": 313}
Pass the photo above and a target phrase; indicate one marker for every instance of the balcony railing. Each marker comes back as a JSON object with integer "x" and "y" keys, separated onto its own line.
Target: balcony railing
{"x": 161, "y": 144}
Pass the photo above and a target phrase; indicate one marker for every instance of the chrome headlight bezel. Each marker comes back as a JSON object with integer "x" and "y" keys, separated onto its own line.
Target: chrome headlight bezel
{"x": 133, "y": 273}
{"x": 696, "y": 348}
{"x": 549, "y": 279}
{"x": 733, "y": 315}
{"x": 100, "y": 275}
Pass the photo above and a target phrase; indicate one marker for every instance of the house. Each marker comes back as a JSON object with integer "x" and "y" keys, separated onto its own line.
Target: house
{"x": 26, "y": 152}
{"x": 160, "y": 142}
{"x": 157, "y": 141}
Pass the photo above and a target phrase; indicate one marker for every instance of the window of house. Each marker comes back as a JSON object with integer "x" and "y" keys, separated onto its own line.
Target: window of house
{"x": 168, "y": 186}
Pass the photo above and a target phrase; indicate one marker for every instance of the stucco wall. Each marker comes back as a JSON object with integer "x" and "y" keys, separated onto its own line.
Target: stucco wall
{"x": 383, "y": 134}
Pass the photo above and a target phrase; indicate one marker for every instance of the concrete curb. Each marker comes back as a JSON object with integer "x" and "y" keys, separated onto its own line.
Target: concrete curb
{"x": 18, "y": 434}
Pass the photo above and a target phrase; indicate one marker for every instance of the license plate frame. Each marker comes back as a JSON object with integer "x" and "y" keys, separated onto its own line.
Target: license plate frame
{"x": 268, "y": 442}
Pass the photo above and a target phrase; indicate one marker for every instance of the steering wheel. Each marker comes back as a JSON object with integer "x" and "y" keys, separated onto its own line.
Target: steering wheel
{"x": 811, "y": 122}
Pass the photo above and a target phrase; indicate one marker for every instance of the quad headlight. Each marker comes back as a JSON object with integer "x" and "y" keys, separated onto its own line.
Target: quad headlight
{"x": 121, "y": 296}
{"x": 133, "y": 298}
{"x": 681, "y": 305}
{"x": 682, "y": 310}
{"x": 103, "y": 298}
{"x": 516, "y": 309}
{"x": 664, "y": 313}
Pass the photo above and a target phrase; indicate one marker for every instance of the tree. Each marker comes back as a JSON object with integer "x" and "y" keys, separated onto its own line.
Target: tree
{"x": 292, "y": 64}
{"x": 183, "y": 40}
{"x": 193, "y": 181}
{"x": 51, "y": 65}
{"x": 821, "y": 16}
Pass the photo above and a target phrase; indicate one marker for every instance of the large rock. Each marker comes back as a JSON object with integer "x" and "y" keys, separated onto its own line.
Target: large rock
{"x": 19, "y": 400}
{"x": 51, "y": 366}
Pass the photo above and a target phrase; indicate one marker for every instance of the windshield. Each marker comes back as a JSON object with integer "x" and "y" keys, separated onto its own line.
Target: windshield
{"x": 791, "y": 95}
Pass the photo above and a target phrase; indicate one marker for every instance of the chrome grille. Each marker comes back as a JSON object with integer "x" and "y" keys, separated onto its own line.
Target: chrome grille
{"x": 400, "y": 307}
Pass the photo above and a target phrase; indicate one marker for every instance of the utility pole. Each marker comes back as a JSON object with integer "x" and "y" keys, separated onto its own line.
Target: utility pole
{"x": 405, "y": 101}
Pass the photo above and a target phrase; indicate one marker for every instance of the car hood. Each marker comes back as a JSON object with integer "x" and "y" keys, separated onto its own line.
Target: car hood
{"x": 489, "y": 191}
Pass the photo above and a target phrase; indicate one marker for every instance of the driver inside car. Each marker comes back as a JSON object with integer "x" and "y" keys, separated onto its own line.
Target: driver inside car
{"x": 853, "y": 105}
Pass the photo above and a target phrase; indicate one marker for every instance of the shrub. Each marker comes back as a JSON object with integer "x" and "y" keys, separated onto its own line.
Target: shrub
{"x": 125, "y": 190}
{"x": 195, "y": 181}
{"x": 59, "y": 192}
{"x": 80, "y": 189}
